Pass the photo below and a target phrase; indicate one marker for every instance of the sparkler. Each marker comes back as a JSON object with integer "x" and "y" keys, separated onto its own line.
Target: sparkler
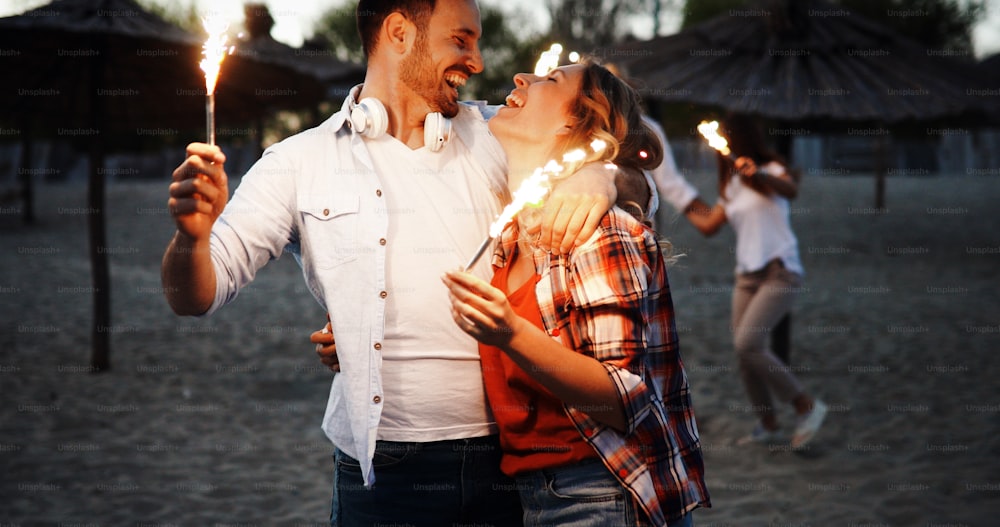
{"x": 710, "y": 130}
{"x": 531, "y": 192}
{"x": 215, "y": 51}
{"x": 549, "y": 60}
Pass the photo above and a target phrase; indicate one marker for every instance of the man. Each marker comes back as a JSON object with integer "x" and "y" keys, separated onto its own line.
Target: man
{"x": 374, "y": 220}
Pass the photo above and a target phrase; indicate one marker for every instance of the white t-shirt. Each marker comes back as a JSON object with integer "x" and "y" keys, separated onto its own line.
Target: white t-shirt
{"x": 437, "y": 217}
{"x": 762, "y": 226}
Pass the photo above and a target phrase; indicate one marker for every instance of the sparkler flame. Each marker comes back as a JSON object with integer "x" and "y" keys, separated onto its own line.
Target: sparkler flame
{"x": 710, "y": 130}
{"x": 532, "y": 191}
{"x": 549, "y": 60}
{"x": 215, "y": 50}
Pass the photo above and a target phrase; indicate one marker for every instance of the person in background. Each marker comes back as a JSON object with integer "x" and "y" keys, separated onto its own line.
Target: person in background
{"x": 671, "y": 186}
{"x": 754, "y": 194}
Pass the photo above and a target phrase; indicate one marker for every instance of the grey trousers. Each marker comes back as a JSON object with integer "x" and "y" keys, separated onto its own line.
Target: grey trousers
{"x": 760, "y": 300}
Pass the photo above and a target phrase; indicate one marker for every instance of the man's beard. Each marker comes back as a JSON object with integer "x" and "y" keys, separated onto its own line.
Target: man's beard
{"x": 417, "y": 72}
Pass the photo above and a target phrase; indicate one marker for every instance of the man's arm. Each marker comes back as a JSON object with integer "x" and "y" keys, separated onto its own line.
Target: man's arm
{"x": 635, "y": 194}
{"x": 708, "y": 219}
{"x": 671, "y": 185}
{"x": 198, "y": 194}
{"x": 575, "y": 207}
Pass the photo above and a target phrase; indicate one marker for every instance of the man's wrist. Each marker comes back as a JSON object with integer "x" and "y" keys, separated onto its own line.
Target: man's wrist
{"x": 185, "y": 243}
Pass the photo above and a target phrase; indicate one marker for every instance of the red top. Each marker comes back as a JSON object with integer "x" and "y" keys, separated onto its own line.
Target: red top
{"x": 535, "y": 431}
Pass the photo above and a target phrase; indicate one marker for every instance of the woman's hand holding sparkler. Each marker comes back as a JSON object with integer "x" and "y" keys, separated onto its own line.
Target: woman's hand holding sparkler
{"x": 199, "y": 191}
{"x": 781, "y": 183}
{"x": 745, "y": 166}
{"x": 481, "y": 310}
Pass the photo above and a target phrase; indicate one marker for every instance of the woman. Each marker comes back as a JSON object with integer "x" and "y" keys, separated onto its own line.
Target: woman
{"x": 579, "y": 351}
{"x": 753, "y": 198}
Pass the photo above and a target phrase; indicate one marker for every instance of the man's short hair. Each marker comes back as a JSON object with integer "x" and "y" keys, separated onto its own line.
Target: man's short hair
{"x": 371, "y": 13}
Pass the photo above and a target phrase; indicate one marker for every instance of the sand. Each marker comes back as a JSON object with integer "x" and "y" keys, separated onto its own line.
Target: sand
{"x": 216, "y": 421}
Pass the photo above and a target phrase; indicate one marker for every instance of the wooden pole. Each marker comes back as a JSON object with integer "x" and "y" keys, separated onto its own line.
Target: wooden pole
{"x": 26, "y": 175}
{"x": 101, "y": 329}
{"x": 881, "y": 165}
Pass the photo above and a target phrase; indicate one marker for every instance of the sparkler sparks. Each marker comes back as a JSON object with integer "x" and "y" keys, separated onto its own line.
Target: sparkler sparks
{"x": 710, "y": 130}
{"x": 532, "y": 191}
{"x": 215, "y": 50}
{"x": 549, "y": 60}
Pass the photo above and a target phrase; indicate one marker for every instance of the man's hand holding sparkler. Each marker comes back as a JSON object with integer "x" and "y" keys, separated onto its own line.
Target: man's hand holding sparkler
{"x": 199, "y": 191}
{"x": 198, "y": 194}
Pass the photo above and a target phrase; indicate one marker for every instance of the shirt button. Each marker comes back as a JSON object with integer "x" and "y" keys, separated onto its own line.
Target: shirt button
{"x": 378, "y": 192}
{"x": 383, "y": 294}
{"x": 326, "y": 212}
{"x": 378, "y": 345}
{"x": 376, "y": 399}
{"x": 555, "y": 332}
{"x": 381, "y": 241}
{"x": 622, "y": 473}
{"x": 589, "y": 432}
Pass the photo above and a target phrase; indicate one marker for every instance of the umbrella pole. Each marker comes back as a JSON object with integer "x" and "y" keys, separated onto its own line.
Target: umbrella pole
{"x": 27, "y": 178}
{"x": 101, "y": 329}
{"x": 880, "y": 169}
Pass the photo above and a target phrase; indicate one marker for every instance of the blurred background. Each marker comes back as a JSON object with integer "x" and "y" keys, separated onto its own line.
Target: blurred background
{"x": 114, "y": 411}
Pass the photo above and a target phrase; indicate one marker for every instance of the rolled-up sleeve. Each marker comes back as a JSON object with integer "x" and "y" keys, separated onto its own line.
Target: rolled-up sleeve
{"x": 609, "y": 285}
{"x": 255, "y": 227}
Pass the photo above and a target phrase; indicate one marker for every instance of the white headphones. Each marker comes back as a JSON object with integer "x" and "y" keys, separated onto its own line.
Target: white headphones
{"x": 370, "y": 119}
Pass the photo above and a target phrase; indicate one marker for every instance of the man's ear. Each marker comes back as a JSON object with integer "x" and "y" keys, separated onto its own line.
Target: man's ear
{"x": 398, "y": 32}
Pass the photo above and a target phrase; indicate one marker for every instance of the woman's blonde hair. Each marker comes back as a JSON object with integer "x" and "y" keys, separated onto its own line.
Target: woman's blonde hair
{"x": 608, "y": 109}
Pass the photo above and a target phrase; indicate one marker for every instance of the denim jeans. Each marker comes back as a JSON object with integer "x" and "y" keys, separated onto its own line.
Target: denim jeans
{"x": 580, "y": 495}
{"x": 435, "y": 484}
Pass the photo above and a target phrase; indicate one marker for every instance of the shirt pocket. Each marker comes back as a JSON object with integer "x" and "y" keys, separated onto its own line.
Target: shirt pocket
{"x": 330, "y": 230}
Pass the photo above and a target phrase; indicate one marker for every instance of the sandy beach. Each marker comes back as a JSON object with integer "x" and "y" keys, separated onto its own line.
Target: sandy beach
{"x": 217, "y": 421}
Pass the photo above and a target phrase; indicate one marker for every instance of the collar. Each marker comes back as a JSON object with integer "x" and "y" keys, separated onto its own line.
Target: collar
{"x": 339, "y": 119}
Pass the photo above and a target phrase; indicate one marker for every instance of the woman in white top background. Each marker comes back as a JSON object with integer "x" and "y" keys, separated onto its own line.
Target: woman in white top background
{"x": 754, "y": 193}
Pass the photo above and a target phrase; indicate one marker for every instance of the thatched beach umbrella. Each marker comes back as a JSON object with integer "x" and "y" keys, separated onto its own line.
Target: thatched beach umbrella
{"x": 96, "y": 73}
{"x": 804, "y": 62}
{"x": 320, "y": 64}
{"x": 319, "y": 75}
{"x": 107, "y": 75}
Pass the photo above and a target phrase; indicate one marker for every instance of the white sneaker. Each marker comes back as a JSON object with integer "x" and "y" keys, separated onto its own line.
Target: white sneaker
{"x": 809, "y": 424}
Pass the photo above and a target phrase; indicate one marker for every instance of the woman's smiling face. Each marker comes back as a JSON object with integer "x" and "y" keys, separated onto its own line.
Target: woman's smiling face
{"x": 537, "y": 110}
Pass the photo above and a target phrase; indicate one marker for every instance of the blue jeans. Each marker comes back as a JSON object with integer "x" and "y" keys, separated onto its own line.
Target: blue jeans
{"x": 580, "y": 495}
{"x": 436, "y": 484}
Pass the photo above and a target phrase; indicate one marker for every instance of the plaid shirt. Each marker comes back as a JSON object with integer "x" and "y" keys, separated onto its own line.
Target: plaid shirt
{"x": 609, "y": 299}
